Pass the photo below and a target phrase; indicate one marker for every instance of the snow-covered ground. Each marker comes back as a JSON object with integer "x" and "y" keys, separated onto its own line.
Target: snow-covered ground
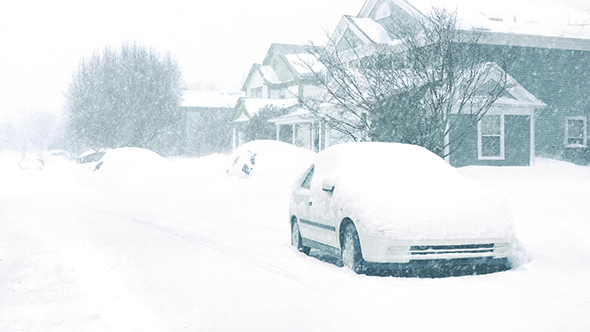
{"x": 186, "y": 248}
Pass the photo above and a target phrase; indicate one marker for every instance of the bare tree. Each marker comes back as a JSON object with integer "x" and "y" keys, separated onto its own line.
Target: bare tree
{"x": 33, "y": 130}
{"x": 408, "y": 90}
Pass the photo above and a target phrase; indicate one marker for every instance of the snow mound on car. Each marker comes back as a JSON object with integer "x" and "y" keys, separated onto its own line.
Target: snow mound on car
{"x": 408, "y": 191}
{"x": 125, "y": 166}
{"x": 274, "y": 162}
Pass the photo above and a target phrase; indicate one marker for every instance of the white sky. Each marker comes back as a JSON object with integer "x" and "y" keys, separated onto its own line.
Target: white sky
{"x": 42, "y": 42}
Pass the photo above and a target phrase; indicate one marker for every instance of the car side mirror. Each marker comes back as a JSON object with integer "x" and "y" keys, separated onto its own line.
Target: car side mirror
{"x": 328, "y": 186}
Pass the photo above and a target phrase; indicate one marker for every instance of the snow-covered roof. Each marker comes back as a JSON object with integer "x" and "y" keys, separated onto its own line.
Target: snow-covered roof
{"x": 303, "y": 61}
{"x": 209, "y": 98}
{"x": 298, "y": 115}
{"x": 373, "y": 30}
{"x": 269, "y": 74}
{"x": 550, "y": 18}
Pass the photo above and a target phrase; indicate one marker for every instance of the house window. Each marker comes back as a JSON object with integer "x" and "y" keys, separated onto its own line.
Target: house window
{"x": 490, "y": 138}
{"x": 575, "y": 131}
{"x": 283, "y": 93}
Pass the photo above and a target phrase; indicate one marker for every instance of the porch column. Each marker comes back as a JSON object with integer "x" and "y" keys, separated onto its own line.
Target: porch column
{"x": 278, "y": 131}
{"x": 293, "y": 134}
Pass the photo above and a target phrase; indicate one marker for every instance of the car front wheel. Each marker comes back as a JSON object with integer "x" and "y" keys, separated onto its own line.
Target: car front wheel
{"x": 351, "y": 250}
{"x": 296, "y": 240}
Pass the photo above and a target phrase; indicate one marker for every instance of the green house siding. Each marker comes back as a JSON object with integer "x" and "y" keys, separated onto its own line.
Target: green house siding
{"x": 464, "y": 147}
{"x": 560, "y": 78}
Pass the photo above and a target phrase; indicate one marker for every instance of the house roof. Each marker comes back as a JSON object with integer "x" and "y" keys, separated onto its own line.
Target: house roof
{"x": 295, "y": 58}
{"x": 531, "y": 20}
{"x": 285, "y": 49}
{"x": 372, "y": 30}
{"x": 299, "y": 114}
{"x": 304, "y": 64}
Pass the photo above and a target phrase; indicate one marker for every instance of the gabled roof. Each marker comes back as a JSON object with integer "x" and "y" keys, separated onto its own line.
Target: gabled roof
{"x": 292, "y": 56}
{"x": 373, "y": 30}
{"x": 520, "y": 23}
{"x": 266, "y": 72}
{"x": 284, "y": 49}
{"x": 515, "y": 95}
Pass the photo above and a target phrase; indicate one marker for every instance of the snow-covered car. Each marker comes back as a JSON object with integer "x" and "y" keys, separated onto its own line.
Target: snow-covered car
{"x": 129, "y": 160}
{"x": 32, "y": 163}
{"x": 268, "y": 160}
{"x": 397, "y": 203}
{"x": 90, "y": 156}
{"x": 55, "y": 156}
{"x": 243, "y": 163}
{"x": 130, "y": 167}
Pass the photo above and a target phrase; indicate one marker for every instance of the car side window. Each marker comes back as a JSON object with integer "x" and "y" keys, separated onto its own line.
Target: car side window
{"x": 307, "y": 182}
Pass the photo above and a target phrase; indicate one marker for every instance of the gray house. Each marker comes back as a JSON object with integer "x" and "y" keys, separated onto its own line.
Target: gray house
{"x": 543, "y": 113}
{"x": 206, "y": 122}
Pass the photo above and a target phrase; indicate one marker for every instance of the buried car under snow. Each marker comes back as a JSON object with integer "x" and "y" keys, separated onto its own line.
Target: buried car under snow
{"x": 397, "y": 203}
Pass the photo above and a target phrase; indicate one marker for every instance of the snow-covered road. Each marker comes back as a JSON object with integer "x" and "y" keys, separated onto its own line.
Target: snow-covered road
{"x": 202, "y": 252}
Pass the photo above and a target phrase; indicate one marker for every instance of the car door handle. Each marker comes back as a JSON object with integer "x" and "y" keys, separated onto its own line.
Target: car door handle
{"x": 309, "y": 203}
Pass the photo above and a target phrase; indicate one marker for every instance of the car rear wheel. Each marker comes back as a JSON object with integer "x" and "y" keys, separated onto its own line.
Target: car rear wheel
{"x": 351, "y": 250}
{"x": 296, "y": 240}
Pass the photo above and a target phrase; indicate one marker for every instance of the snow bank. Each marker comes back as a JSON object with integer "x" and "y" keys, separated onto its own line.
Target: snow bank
{"x": 206, "y": 252}
{"x": 277, "y": 164}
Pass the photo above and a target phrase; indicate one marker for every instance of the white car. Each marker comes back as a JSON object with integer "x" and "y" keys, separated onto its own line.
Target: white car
{"x": 397, "y": 203}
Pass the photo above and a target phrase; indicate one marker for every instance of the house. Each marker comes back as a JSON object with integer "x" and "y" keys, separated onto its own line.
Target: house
{"x": 545, "y": 110}
{"x": 279, "y": 81}
{"x": 206, "y": 121}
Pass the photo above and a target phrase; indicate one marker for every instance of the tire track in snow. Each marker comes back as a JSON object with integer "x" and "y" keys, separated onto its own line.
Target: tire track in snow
{"x": 218, "y": 246}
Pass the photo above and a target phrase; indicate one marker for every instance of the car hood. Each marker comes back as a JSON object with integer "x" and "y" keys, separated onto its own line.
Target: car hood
{"x": 458, "y": 209}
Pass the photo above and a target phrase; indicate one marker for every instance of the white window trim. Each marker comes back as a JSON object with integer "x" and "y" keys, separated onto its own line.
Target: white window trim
{"x": 502, "y": 141}
{"x": 585, "y": 138}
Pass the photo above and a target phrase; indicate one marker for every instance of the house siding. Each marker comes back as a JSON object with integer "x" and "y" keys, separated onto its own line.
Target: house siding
{"x": 559, "y": 78}
{"x": 517, "y": 145}
{"x": 207, "y": 130}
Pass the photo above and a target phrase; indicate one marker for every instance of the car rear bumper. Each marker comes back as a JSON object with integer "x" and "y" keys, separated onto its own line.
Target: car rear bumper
{"x": 386, "y": 250}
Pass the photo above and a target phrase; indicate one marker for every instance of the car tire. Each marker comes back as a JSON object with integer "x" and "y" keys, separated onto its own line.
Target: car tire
{"x": 352, "y": 256}
{"x": 296, "y": 240}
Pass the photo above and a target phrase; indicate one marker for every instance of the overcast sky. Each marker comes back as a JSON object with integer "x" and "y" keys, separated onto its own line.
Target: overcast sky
{"x": 42, "y": 42}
